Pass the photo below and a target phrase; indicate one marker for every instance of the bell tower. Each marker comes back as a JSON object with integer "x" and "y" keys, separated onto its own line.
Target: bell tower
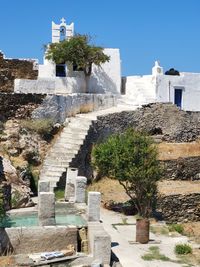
{"x": 62, "y": 31}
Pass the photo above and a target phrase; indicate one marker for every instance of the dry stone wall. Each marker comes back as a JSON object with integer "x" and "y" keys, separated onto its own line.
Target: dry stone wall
{"x": 180, "y": 208}
{"x": 182, "y": 168}
{"x": 167, "y": 120}
{"x": 11, "y": 69}
{"x": 18, "y": 105}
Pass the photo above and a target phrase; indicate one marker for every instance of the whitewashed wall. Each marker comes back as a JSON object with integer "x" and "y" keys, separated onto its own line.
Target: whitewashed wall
{"x": 55, "y": 85}
{"x": 107, "y": 78}
{"x": 58, "y": 107}
{"x": 188, "y": 82}
{"x": 104, "y": 79}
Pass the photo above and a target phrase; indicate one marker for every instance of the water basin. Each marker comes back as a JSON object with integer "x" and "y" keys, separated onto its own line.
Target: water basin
{"x": 28, "y": 220}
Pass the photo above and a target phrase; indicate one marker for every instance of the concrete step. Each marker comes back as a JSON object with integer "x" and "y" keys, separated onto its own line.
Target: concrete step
{"x": 78, "y": 125}
{"x": 61, "y": 163}
{"x": 57, "y": 164}
{"x": 53, "y": 168}
{"x": 91, "y": 117}
{"x": 83, "y": 124}
{"x": 66, "y": 145}
{"x": 56, "y": 158}
{"x": 71, "y": 140}
{"x": 51, "y": 179}
{"x": 83, "y": 120}
{"x": 77, "y": 136}
{"x": 63, "y": 152}
{"x": 75, "y": 130}
{"x": 51, "y": 174}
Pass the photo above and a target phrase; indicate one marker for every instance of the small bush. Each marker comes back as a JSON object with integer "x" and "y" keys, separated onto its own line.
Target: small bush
{"x": 176, "y": 228}
{"x": 43, "y": 127}
{"x": 183, "y": 249}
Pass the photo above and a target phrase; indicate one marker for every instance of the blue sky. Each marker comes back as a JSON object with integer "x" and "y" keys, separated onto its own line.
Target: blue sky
{"x": 144, "y": 30}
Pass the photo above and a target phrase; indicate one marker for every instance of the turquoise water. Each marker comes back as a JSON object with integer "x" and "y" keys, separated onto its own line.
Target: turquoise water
{"x": 28, "y": 220}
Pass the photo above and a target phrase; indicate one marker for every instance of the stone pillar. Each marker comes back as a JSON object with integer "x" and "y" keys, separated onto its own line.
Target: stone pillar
{"x": 43, "y": 186}
{"x": 70, "y": 183}
{"x": 94, "y": 204}
{"x": 80, "y": 186}
{"x": 46, "y": 208}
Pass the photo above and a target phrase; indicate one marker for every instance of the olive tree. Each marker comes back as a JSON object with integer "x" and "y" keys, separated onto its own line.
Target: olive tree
{"x": 79, "y": 52}
{"x": 131, "y": 158}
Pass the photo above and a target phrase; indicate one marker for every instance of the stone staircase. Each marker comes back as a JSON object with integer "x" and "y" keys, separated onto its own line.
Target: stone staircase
{"x": 68, "y": 144}
{"x": 134, "y": 103}
{"x": 64, "y": 149}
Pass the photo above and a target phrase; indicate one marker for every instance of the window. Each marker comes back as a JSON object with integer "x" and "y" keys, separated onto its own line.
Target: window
{"x": 60, "y": 70}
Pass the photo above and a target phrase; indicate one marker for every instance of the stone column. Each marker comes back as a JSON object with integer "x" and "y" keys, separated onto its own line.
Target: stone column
{"x": 43, "y": 186}
{"x": 94, "y": 204}
{"x": 46, "y": 208}
{"x": 80, "y": 186}
{"x": 70, "y": 183}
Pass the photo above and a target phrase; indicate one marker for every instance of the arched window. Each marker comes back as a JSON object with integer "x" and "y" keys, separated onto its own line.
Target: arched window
{"x": 62, "y": 33}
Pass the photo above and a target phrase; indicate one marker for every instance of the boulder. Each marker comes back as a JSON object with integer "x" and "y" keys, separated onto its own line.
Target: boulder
{"x": 20, "y": 192}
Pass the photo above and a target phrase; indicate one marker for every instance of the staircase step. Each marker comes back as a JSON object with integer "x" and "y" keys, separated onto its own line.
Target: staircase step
{"x": 66, "y": 145}
{"x": 51, "y": 179}
{"x": 71, "y": 140}
{"x": 77, "y": 136}
{"x": 53, "y": 162}
{"x": 80, "y": 123}
{"x": 63, "y": 152}
{"x": 56, "y": 158}
{"x": 53, "y": 168}
{"x": 51, "y": 174}
{"x": 75, "y": 130}
{"x": 57, "y": 164}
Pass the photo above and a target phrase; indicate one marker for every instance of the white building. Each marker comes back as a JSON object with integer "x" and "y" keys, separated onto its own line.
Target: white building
{"x": 182, "y": 90}
{"x": 57, "y": 79}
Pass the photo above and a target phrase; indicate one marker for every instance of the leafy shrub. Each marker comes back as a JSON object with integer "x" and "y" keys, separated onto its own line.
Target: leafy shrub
{"x": 43, "y": 127}
{"x": 176, "y": 228}
{"x": 183, "y": 249}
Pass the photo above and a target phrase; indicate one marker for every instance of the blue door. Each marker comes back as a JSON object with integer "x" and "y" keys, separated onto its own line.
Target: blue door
{"x": 178, "y": 97}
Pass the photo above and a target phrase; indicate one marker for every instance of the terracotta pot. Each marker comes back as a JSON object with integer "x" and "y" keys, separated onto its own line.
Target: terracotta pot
{"x": 142, "y": 231}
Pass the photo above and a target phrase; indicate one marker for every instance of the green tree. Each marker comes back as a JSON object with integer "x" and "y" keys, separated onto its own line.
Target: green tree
{"x": 131, "y": 158}
{"x": 78, "y": 52}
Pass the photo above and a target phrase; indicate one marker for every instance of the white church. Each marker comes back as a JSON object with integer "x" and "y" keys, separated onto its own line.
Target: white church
{"x": 182, "y": 89}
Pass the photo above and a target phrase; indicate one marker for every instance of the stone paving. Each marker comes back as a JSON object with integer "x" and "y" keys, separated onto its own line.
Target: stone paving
{"x": 130, "y": 254}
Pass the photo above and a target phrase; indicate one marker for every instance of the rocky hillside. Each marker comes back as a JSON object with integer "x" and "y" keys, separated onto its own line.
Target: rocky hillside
{"x": 23, "y": 144}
